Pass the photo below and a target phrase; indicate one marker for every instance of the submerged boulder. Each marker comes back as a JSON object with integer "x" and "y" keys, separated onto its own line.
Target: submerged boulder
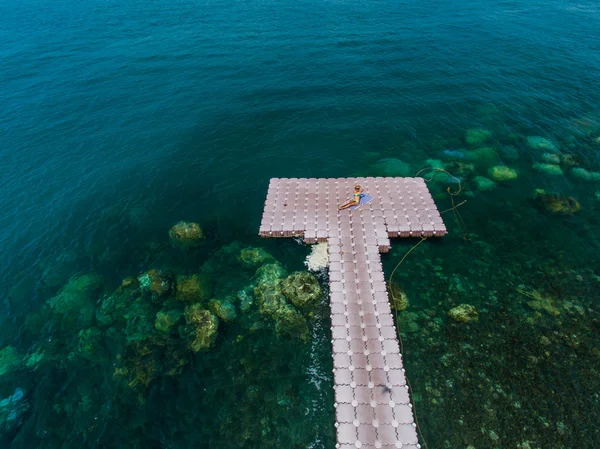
{"x": 541, "y": 144}
{"x": 186, "y": 234}
{"x": 407, "y": 322}
{"x": 483, "y": 157}
{"x": 569, "y": 160}
{"x": 583, "y": 174}
{"x": 113, "y": 306}
{"x": 89, "y": 342}
{"x": 270, "y": 298}
{"x": 158, "y": 284}
{"x": 289, "y": 321}
{"x": 391, "y": 167}
{"x": 166, "y": 320}
{"x": 75, "y": 303}
{"x": 484, "y": 184}
{"x": 302, "y": 289}
{"x": 551, "y": 158}
{"x": 549, "y": 169}
{"x": 502, "y": 173}
{"x": 464, "y": 313}
{"x": 477, "y": 136}
{"x": 255, "y": 257}
{"x": 246, "y": 298}
{"x": 509, "y": 153}
{"x": 458, "y": 168}
{"x": 556, "y": 204}
{"x": 195, "y": 287}
{"x": 223, "y": 308}
{"x": 200, "y": 332}
{"x": 272, "y": 303}
{"x": 270, "y": 273}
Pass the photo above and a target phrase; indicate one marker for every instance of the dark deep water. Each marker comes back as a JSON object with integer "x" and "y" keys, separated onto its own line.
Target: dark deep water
{"x": 118, "y": 120}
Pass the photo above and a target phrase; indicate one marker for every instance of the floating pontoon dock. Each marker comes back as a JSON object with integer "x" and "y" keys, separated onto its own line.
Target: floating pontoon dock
{"x": 372, "y": 403}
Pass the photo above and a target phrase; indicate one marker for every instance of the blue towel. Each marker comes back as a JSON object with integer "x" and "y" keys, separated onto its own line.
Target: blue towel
{"x": 364, "y": 199}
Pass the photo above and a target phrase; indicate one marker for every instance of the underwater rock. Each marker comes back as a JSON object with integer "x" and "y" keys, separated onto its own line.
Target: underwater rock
{"x": 502, "y": 173}
{"x": 477, "y": 136}
{"x": 551, "y": 158}
{"x": 270, "y": 298}
{"x": 186, "y": 234}
{"x": 483, "y": 157}
{"x": 464, "y": 313}
{"x": 272, "y": 302}
{"x": 12, "y": 409}
{"x": 509, "y": 153}
{"x": 255, "y": 257}
{"x": 167, "y": 319}
{"x": 156, "y": 283}
{"x": 9, "y": 359}
{"x": 549, "y": 169}
{"x": 270, "y": 273}
{"x": 75, "y": 303}
{"x": 484, "y": 184}
{"x": 458, "y": 168}
{"x": 435, "y": 163}
{"x": 391, "y": 167}
{"x": 407, "y": 322}
{"x": 398, "y": 299}
{"x": 556, "y": 204}
{"x": 200, "y": 332}
{"x": 569, "y": 160}
{"x": 140, "y": 317}
{"x": 318, "y": 259}
{"x": 89, "y": 341}
{"x": 583, "y": 174}
{"x": 246, "y": 298}
{"x": 224, "y": 309}
{"x": 302, "y": 289}
{"x": 288, "y": 321}
{"x": 140, "y": 363}
{"x": 541, "y": 144}
{"x": 195, "y": 287}
{"x": 112, "y": 306}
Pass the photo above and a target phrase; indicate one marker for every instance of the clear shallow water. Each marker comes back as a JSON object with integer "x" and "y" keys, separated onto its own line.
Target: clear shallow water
{"x": 120, "y": 120}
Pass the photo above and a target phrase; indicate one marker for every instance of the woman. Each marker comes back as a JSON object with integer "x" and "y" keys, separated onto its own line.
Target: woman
{"x": 355, "y": 201}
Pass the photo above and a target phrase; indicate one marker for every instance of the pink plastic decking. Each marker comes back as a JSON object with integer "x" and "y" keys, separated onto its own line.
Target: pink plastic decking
{"x": 372, "y": 402}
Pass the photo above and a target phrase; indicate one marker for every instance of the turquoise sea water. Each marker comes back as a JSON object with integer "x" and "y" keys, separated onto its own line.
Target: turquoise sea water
{"x": 120, "y": 120}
